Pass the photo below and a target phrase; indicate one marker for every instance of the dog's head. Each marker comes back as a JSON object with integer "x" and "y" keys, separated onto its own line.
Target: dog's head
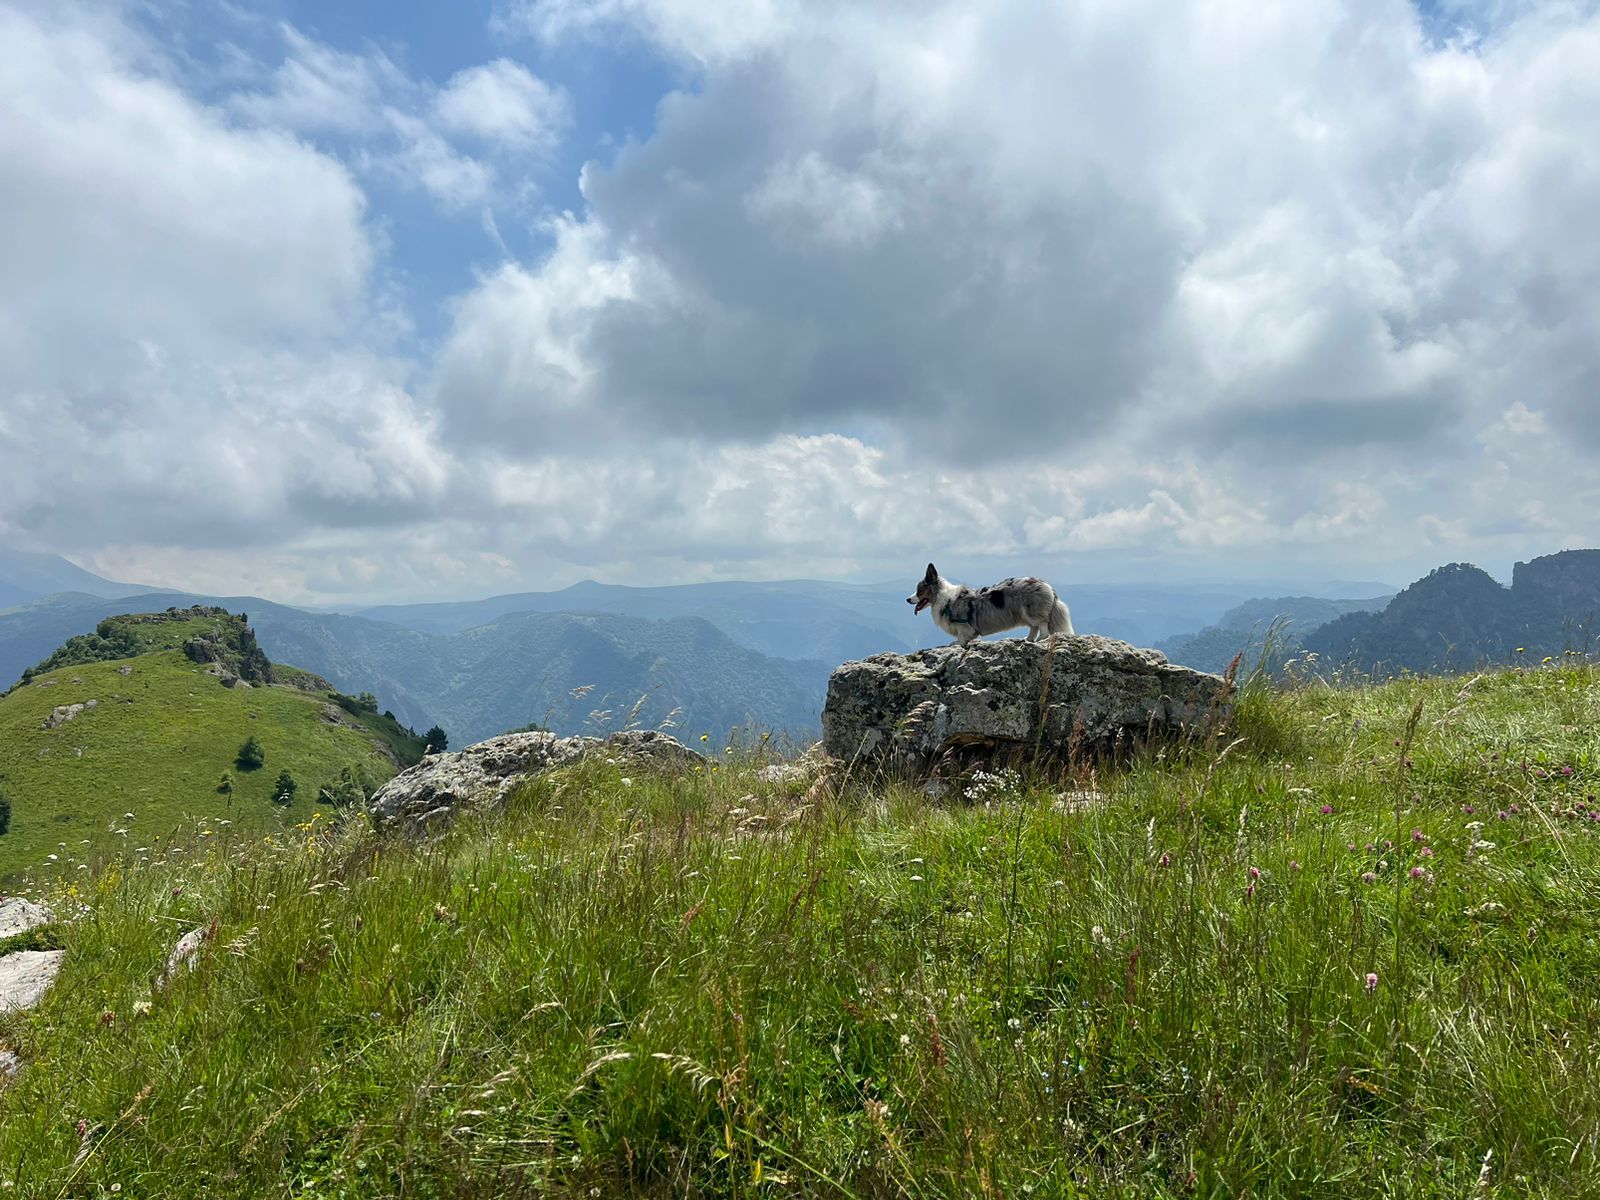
{"x": 927, "y": 591}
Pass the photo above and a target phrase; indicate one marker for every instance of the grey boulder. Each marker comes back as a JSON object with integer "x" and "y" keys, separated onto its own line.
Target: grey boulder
{"x": 1004, "y": 698}
{"x": 486, "y": 774}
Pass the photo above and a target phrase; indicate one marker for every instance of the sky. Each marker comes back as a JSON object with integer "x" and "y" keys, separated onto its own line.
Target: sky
{"x": 375, "y": 301}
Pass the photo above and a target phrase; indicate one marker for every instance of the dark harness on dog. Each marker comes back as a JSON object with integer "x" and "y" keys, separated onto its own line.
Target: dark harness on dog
{"x": 969, "y": 605}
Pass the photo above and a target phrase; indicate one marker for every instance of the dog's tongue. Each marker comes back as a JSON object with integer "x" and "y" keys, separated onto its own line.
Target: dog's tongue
{"x": 921, "y": 604}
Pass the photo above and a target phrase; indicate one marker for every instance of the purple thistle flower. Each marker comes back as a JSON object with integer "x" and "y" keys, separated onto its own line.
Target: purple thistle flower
{"x": 1166, "y": 860}
{"x": 1372, "y": 982}
{"x": 1418, "y": 836}
{"x": 1255, "y": 872}
{"x": 1469, "y": 809}
{"x": 1369, "y": 877}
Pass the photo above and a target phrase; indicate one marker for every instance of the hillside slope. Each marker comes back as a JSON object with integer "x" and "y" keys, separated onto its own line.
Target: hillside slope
{"x": 1352, "y": 955}
{"x": 84, "y": 743}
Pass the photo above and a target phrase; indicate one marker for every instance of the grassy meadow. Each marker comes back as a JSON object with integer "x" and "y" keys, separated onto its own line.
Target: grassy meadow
{"x": 155, "y": 745}
{"x": 1351, "y": 950}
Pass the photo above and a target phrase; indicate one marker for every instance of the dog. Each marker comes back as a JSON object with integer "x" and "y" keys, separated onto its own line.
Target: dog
{"x": 965, "y": 613}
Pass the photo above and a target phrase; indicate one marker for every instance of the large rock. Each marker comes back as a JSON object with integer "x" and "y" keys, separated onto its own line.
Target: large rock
{"x": 487, "y": 773}
{"x": 914, "y": 710}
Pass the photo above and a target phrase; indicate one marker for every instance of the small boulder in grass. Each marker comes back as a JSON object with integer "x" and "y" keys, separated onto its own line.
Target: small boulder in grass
{"x": 18, "y": 916}
{"x": 183, "y": 954}
{"x": 426, "y": 797}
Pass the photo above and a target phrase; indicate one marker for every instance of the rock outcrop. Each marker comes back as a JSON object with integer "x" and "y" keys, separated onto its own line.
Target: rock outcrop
{"x": 25, "y": 975}
{"x": 1003, "y": 698}
{"x": 485, "y": 774}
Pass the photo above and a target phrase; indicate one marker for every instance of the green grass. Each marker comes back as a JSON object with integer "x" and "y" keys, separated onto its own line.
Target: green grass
{"x": 155, "y": 745}
{"x": 630, "y": 985}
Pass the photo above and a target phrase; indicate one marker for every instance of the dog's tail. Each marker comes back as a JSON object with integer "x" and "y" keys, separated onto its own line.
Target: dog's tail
{"x": 1060, "y": 618}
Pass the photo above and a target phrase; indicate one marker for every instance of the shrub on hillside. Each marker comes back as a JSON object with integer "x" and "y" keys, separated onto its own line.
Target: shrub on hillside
{"x": 225, "y": 784}
{"x": 5, "y": 814}
{"x": 347, "y": 792}
{"x": 251, "y": 755}
{"x": 438, "y": 740}
{"x": 284, "y": 789}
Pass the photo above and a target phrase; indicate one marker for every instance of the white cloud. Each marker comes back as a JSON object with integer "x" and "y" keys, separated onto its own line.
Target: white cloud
{"x": 504, "y": 102}
{"x": 184, "y": 313}
{"x": 1090, "y": 284}
{"x": 318, "y": 89}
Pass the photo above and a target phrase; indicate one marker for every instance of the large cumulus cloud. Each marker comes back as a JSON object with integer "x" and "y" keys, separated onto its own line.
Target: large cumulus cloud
{"x": 1117, "y": 288}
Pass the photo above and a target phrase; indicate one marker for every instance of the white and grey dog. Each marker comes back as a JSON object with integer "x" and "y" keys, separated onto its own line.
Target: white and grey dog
{"x": 966, "y": 613}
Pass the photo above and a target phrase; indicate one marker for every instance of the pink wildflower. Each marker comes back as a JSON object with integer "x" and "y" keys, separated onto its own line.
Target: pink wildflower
{"x": 1255, "y": 872}
{"x": 1326, "y": 810}
{"x": 1418, "y": 836}
{"x": 1372, "y": 982}
{"x": 1166, "y": 860}
{"x": 1426, "y": 852}
{"x": 1369, "y": 877}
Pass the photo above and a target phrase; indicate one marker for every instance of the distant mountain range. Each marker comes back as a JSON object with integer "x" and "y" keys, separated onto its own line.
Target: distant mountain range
{"x": 1244, "y": 630}
{"x": 521, "y": 669}
{"x": 716, "y": 655}
{"x": 25, "y": 576}
{"x": 1458, "y": 618}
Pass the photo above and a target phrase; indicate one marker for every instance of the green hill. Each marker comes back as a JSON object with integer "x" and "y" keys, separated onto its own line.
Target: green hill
{"x": 1349, "y": 952}
{"x": 90, "y": 738}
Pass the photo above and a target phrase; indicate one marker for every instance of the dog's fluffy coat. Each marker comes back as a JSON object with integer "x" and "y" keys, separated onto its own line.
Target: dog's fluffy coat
{"x": 966, "y": 613}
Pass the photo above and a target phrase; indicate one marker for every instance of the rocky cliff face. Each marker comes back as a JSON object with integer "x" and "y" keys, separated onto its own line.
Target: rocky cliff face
{"x": 1005, "y": 698}
{"x": 1568, "y": 582}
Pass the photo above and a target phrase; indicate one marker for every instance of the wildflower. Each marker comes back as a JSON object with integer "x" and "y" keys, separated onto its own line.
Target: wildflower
{"x": 1501, "y": 815}
{"x": 1369, "y": 877}
{"x": 1255, "y": 872}
{"x": 82, "y": 1127}
{"x": 1418, "y": 836}
{"x": 1249, "y": 891}
{"x": 1014, "y": 1023}
{"x": 1566, "y": 772}
{"x": 1294, "y": 864}
{"x": 1326, "y": 810}
{"x": 1417, "y": 872}
{"x": 1469, "y": 809}
{"x": 905, "y": 1039}
{"x": 705, "y": 737}
{"x": 1372, "y": 982}
{"x": 1165, "y": 860}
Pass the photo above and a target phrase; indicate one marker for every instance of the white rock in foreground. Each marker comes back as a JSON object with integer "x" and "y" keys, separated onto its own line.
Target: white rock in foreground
{"x": 26, "y": 976}
{"x": 18, "y": 916}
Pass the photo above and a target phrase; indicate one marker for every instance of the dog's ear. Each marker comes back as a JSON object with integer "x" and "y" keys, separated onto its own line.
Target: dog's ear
{"x": 932, "y": 574}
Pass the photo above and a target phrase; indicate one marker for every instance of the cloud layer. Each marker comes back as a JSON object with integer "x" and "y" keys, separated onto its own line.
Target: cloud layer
{"x": 1103, "y": 287}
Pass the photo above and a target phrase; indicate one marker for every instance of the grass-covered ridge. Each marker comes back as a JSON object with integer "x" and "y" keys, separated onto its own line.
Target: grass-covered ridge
{"x": 161, "y": 731}
{"x": 1354, "y": 954}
